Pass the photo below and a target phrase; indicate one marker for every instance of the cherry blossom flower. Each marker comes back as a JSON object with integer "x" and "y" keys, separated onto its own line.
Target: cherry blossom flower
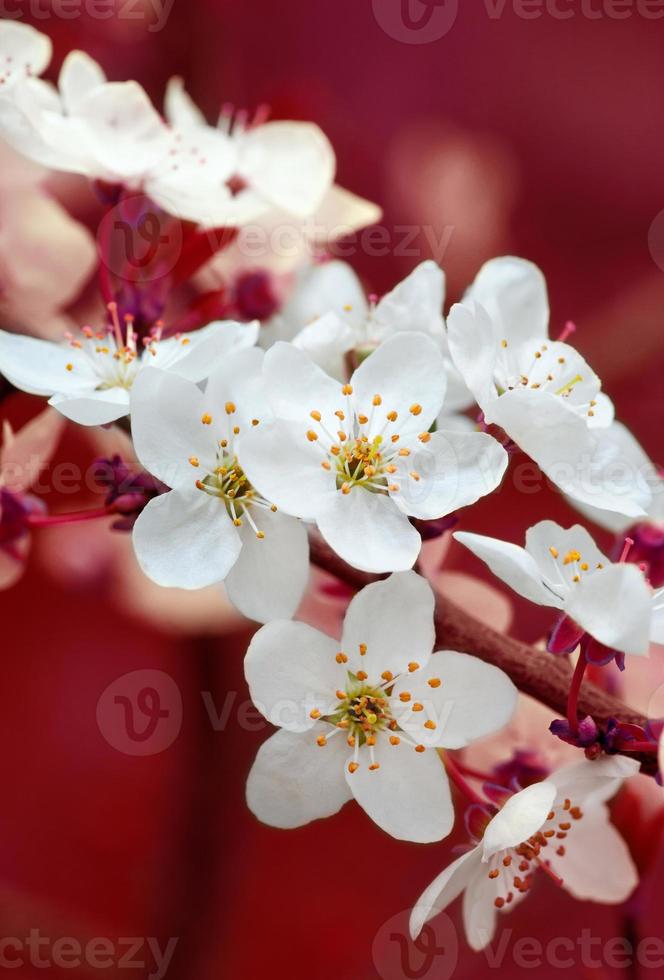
{"x": 215, "y": 176}
{"x": 358, "y": 459}
{"x": 89, "y": 377}
{"x": 564, "y": 569}
{"x": 213, "y": 525}
{"x": 363, "y": 718}
{"x": 22, "y": 456}
{"x": 540, "y": 391}
{"x": 560, "y": 826}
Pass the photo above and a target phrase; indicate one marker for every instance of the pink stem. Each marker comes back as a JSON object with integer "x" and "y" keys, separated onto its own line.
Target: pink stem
{"x": 455, "y": 774}
{"x": 574, "y": 691}
{"x": 75, "y": 517}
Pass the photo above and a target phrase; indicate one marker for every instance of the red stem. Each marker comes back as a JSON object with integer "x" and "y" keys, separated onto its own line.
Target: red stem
{"x": 75, "y": 517}
{"x": 574, "y": 692}
{"x": 455, "y": 774}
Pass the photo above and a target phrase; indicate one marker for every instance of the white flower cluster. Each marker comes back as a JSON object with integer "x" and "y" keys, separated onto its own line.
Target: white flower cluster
{"x": 359, "y": 421}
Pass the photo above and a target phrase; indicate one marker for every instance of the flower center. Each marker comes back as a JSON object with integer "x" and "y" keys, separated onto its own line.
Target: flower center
{"x": 357, "y": 454}
{"x": 228, "y": 481}
{"x": 546, "y": 369}
{"x": 513, "y": 870}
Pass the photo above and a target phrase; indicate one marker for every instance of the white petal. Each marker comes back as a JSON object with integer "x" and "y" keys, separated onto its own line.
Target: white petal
{"x": 394, "y": 619}
{"x": 479, "y": 912}
{"x": 79, "y": 75}
{"x": 166, "y": 413}
{"x": 185, "y": 539}
{"x": 407, "y": 370}
{"x": 293, "y": 781}
{"x": 291, "y": 164}
{"x": 522, "y": 815}
{"x": 326, "y": 341}
{"x": 291, "y": 669}
{"x": 513, "y": 292}
{"x": 269, "y": 578}
{"x": 179, "y": 108}
{"x": 239, "y": 380}
{"x": 472, "y": 343}
{"x": 285, "y": 468}
{"x": 196, "y": 355}
{"x": 40, "y": 367}
{"x": 591, "y": 783}
{"x": 25, "y": 51}
{"x": 368, "y": 531}
{"x": 409, "y": 796}
{"x": 415, "y": 304}
{"x": 444, "y": 889}
{"x": 657, "y": 627}
{"x": 332, "y": 287}
{"x": 296, "y": 386}
{"x": 455, "y": 470}
{"x": 547, "y": 535}
{"x": 511, "y": 564}
{"x": 614, "y": 606}
{"x": 474, "y": 699}
{"x": 93, "y": 408}
{"x": 597, "y": 865}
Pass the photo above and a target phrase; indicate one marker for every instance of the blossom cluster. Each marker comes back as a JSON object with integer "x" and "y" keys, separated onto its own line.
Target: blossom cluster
{"x": 285, "y": 415}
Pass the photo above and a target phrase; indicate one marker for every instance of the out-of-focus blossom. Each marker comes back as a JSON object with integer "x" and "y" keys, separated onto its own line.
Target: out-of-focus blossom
{"x": 540, "y": 391}
{"x": 364, "y": 718}
{"x": 358, "y": 458}
{"x": 564, "y": 569}
{"x": 560, "y": 826}
{"x": 89, "y": 378}
{"x": 214, "y": 526}
{"x": 22, "y": 456}
{"x": 45, "y": 256}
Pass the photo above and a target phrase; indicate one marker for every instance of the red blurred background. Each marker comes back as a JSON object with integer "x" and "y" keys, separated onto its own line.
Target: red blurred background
{"x": 537, "y": 137}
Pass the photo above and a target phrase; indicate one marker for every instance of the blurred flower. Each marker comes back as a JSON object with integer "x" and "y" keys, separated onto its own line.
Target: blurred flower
{"x": 359, "y": 459}
{"x": 213, "y": 525}
{"x": 563, "y": 568}
{"x": 392, "y": 701}
{"x": 89, "y": 379}
{"x": 560, "y": 826}
{"x": 22, "y": 456}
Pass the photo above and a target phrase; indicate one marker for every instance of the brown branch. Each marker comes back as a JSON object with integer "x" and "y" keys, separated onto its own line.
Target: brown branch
{"x": 534, "y": 672}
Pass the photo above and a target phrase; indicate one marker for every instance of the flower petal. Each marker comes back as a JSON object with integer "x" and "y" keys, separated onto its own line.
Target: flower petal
{"x": 614, "y": 605}
{"x": 270, "y": 577}
{"x": 166, "y": 413}
{"x": 454, "y": 468}
{"x": 368, "y": 531}
{"x": 444, "y": 889}
{"x": 185, "y": 539}
{"x": 407, "y": 370}
{"x": 79, "y": 75}
{"x": 513, "y": 565}
{"x": 293, "y": 781}
{"x": 25, "y": 51}
{"x": 408, "y": 796}
{"x": 235, "y": 389}
{"x": 415, "y": 304}
{"x": 196, "y": 355}
{"x": 93, "y": 408}
{"x": 291, "y": 669}
{"x": 393, "y": 619}
{"x": 479, "y": 912}
{"x": 547, "y": 537}
{"x": 597, "y": 865}
{"x": 285, "y": 468}
{"x": 296, "y": 386}
{"x": 474, "y": 699}
{"x": 40, "y": 366}
{"x": 472, "y": 343}
{"x": 326, "y": 341}
{"x": 514, "y": 294}
{"x": 332, "y": 287}
{"x": 291, "y": 164}
{"x": 522, "y": 815}
{"x": 179, "y": 108}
